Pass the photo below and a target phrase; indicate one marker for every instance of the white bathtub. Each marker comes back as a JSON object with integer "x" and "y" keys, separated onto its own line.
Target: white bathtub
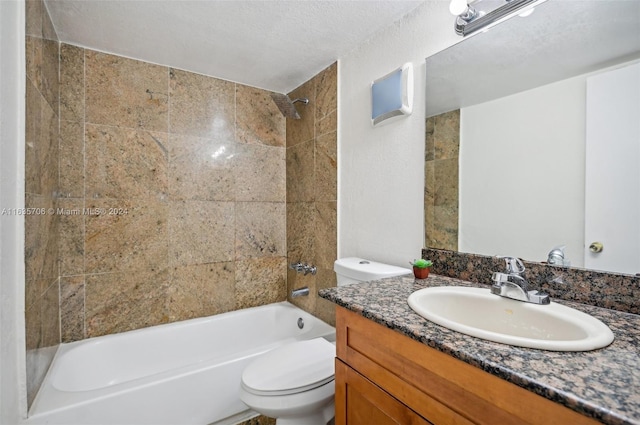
{"x": 179, "y": 373}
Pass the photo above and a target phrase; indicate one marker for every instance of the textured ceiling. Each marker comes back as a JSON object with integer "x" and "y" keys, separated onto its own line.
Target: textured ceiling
{"x": 275, "y": 45}
{"x": 560, "y": 40}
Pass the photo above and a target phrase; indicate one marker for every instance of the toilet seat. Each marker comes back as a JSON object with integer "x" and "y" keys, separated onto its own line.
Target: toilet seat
{"x": 293, "y": 368}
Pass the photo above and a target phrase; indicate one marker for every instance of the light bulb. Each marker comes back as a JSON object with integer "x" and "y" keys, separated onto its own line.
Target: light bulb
{"x": 527, "y": 12}
{"x": 457, "y": 7}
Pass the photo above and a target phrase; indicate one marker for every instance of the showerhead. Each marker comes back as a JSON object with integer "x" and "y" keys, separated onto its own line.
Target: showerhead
{"x": 287, "y": 106}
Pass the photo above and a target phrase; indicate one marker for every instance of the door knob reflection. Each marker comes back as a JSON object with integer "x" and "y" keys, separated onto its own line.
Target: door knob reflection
{"x": 596, "y": 247}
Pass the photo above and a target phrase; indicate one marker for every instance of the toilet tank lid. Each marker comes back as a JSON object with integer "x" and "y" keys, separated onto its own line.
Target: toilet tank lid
{"x": 363, "y": 269}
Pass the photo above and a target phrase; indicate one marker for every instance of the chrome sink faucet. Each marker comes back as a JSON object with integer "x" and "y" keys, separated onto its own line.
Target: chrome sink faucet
{"x": 512, "y": 284}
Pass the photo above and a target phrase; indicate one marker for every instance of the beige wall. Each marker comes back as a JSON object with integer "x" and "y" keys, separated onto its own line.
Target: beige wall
{"x": 173, "y": 187}
{"x": 312, "y": 190}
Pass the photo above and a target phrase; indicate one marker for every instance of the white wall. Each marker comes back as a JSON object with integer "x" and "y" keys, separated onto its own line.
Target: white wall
{"x": 381, "y": 170}
{"x": 522, "y": 173}
{"x": 13, "y": 403}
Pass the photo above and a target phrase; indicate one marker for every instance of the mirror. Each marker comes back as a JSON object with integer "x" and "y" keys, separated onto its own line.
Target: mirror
{"x": 503, "y": 177}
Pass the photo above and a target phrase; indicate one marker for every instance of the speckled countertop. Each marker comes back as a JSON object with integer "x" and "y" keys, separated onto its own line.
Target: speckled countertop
{"x": 603, "y": 384}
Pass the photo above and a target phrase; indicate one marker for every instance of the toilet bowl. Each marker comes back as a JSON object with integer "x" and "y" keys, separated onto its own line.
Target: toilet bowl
{"x": 295, "y": 383}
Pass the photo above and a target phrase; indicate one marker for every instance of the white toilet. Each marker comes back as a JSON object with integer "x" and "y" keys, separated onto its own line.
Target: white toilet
{"x": 295, "y": 383}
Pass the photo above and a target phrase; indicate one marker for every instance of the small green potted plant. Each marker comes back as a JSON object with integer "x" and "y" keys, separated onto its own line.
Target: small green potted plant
{"x": 421, "y": 268}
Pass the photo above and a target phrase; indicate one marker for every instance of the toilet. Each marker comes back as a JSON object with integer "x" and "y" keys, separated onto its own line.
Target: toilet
{"x": 295, "y": 383}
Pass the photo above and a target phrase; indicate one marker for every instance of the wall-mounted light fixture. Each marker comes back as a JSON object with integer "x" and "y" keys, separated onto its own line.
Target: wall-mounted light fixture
{"x": 392, "y": 95}
{"x": 470, "y": 19}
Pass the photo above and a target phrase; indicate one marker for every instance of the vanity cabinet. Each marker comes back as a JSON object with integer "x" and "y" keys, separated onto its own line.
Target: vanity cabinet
{"x": 384, "y": 377}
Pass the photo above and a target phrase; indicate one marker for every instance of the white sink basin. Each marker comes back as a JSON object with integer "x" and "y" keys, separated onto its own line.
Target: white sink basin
{"x": 478, "y": 312}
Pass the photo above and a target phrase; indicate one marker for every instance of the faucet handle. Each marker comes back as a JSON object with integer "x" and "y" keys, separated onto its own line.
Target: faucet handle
{"x": 514, "y": 265}
{"x": 297, "y": 266}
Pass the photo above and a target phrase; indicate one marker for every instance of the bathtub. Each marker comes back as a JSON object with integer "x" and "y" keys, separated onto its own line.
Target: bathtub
{"x": 180, "y": 373}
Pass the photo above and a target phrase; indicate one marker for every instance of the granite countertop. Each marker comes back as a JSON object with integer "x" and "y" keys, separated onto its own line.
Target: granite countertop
{"x": 603, "y": 384}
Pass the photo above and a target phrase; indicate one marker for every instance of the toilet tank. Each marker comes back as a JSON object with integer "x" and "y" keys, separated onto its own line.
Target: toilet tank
{"x": 353, "y": 270}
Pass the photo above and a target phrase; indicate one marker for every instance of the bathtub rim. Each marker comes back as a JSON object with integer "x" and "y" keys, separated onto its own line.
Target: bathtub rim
{"x": 40, "y": 408}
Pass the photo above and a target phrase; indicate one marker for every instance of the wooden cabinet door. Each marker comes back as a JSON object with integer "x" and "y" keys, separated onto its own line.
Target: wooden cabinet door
{"x": 359, "y": 402}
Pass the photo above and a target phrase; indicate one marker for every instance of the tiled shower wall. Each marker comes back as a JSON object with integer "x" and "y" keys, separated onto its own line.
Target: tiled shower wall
{"x": 165, "y": 194}
{"x": 312, "y": 190}
{"x": 41, "y": 183}
{"x": 172, "y": 195}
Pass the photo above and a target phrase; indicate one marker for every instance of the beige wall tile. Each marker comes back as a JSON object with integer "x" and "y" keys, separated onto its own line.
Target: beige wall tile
{"x": 442, "y": 140}
{"x": 47, "y": 151}
{"x": 50, "y": 325}
{"x": 41, "y": 156}
{"x": 260, "y": 173}
{"x": 202, "y": 106}
{"x": 48, "y": 30}
{"x": 119, "y": 302}
{"x": 446, "y": 230}
{"x": 301, "y": 232}
{"x": 303, "y": 130}
{"x": 42, "y": 324}
{"x": 49, "y": 83}
{"x": 33, "y": 17}
{"x": 125, "y": 92}
{"x": 446, "y": 182}
{"x": 34, "y": 58}
{"x": 202, "y": 227}
{"x": 429, "y": 149}
{"x": 201, "y": 290}
{"x": 327, "y": 91}
{"x": 327, "y": 124}
{"x": 201, "y": 169}
{"x": 312, "y": 192}
{"x": 326, "y": 235}
{"x": 260, "y": 281}
{"x": 72, "y": 308}
{"x": 201, "y": 232}
{"x": 260, "y": 229}
{"x": 71, "y": 83}
{"x": 71, "y": 151}
{"x": 301, "y": 172}
{"x": 70, "y": 213}
{"x": 42, "y": 68}
{"x": 41, "y": 250}
{"x": 446, "y": 135}
{"x": 32, "y": 318}
{"x": 326, "y": 160}
{"x": 41, "y": 186}
{"x": 43, "y": 335}
{"x": 258, "y": 118}
{"x": 33, "y": 130}
{"x": 134, "y": 239}
{"x": 429, "y": 205}
{"x": 125, "y": 163}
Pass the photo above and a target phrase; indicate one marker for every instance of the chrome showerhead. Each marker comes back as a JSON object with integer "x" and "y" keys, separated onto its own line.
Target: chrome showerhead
{"x": 287, "y": 106}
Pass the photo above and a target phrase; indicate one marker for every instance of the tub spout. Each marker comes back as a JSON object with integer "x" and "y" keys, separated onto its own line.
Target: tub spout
{"x": 300, "y": 292}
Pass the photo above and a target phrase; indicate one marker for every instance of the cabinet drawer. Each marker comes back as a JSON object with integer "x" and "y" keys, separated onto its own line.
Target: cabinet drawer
{"x": 440, "y": 388}
{"x": 366, "y": 403}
